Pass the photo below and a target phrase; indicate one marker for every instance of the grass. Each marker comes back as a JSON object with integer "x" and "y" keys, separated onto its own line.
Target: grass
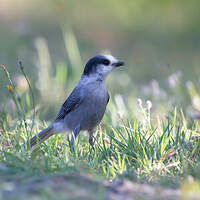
{"x": 145, "y": 157}
{"x": 161, "y": 152}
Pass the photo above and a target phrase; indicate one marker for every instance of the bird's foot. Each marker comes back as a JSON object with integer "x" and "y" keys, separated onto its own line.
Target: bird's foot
{"x": 91, "y": 142}
{"x": 71, "y": 144}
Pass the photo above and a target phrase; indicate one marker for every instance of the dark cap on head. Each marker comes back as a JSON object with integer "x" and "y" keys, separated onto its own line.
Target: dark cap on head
{"x": 92, "y": 64}
{"x": 106, "y": 60}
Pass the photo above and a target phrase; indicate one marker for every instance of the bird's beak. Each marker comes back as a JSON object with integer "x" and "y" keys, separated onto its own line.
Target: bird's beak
{"x": 118, "y": 63}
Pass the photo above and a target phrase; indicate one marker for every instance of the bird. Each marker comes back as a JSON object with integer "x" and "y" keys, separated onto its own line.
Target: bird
{"x": 84, "y": 109}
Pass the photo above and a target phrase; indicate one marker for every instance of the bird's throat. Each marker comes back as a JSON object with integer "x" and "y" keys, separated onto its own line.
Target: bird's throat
{"x": 100, "y": 77}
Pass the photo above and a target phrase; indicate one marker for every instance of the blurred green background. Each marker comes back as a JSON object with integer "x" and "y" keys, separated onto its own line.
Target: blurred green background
{"x": 158, "y": 40}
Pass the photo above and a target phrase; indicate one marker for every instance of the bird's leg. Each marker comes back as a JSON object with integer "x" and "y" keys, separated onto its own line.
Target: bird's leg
{"x": 91, "y": 138}
{"x": 73, "y": 137}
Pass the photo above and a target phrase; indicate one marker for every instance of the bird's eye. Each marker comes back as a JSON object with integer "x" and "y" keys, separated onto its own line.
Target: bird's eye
{"x": 106, "y": 62}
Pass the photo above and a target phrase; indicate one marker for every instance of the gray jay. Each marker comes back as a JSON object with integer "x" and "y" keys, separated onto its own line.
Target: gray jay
{"x": 86, "y": 105}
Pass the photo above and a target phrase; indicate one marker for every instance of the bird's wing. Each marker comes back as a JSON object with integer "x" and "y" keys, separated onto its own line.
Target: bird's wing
{"x": 72, "y": 102}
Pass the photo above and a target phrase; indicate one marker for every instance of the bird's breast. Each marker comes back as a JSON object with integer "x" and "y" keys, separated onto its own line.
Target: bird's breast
{"x": 97, "y": 97}
{"x": 94, "y": 106}
{"x": 91, "y": 110}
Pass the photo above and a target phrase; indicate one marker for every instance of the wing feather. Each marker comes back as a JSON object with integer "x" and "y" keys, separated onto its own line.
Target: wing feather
{"x": 72, "y": 102}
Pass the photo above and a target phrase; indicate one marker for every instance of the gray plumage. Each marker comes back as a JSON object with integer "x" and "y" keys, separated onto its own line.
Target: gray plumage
{"x": 86, "y": 105}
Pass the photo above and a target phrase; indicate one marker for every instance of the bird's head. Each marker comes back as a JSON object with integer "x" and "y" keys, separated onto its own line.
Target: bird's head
{"x": 101, "y": 65}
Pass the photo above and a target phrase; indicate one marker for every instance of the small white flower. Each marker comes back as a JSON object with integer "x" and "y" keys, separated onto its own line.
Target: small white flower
{"x": 148, "y": 104}
{"x": 174, "y": 78}
{"x": 139, "y": 102}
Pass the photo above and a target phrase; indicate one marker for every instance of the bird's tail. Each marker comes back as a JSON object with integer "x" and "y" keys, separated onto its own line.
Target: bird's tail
{"x": 41, "y": 137}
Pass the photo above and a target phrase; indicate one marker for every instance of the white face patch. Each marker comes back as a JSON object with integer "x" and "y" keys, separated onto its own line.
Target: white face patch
{"x": 98, "y": 67}
{"x": 111, "y": 59}
{"x": 105, "y": 69}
